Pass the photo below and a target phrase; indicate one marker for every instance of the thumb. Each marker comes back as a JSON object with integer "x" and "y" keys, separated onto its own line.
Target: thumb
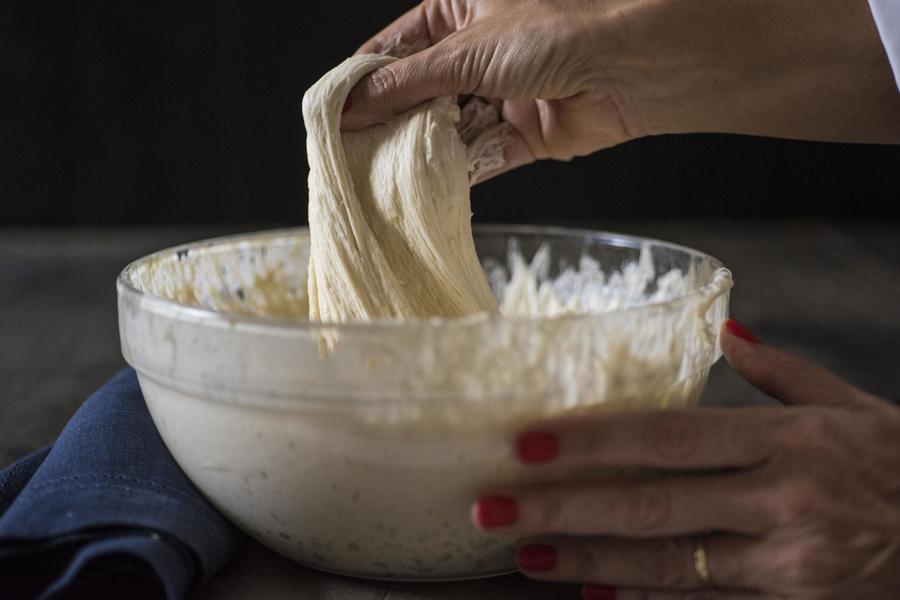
{"x": 786, "y": 377}
{"x": 405, "y": 83}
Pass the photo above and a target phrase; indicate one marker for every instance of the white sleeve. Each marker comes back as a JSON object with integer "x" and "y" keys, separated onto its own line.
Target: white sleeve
{"x": 887, "y": 18}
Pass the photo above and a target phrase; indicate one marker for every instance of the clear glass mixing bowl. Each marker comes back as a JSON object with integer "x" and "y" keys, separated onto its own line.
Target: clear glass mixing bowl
{"x": 358, "y": 448}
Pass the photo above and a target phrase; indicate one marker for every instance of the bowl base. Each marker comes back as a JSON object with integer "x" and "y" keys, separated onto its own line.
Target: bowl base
{"x": 408, "y": 579}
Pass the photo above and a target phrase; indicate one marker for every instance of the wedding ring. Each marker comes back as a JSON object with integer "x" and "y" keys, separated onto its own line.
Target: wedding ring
{"x": 700, "y": 563}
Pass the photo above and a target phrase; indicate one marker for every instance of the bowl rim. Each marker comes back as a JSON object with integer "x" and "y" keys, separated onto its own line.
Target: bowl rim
{"x": 174, "y": 309}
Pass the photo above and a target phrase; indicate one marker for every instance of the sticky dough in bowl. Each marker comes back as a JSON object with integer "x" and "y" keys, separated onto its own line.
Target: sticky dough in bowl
{"x": 359, "y": 447}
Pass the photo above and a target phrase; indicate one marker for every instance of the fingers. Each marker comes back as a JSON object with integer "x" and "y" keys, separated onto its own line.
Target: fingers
{"x": 369, "y": 106}
{"x": 639, "y": 508}
{"x": 516, "y": 153}
{"x": 665, "y": 564}
{"x": 401, "y": 85}
{"x": 684, "y": 439}
{"x": 530, "y": 120}
{"x": 783, "y": 376}
{"x": 436, "y": 61}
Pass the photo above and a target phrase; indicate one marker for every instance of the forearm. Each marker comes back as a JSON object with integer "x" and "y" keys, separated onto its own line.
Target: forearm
{"x": 806, "y": 69}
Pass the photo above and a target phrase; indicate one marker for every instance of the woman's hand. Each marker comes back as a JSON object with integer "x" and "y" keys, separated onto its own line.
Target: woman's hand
{"x": 575, "y": 76}
{"x": 796, "y": 502}
{"x": 541, "y": 63}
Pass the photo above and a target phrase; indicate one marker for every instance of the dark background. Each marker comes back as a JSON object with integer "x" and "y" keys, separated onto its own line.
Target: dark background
{"x": 115, "y": 112}
{"x": 172, "y": 113}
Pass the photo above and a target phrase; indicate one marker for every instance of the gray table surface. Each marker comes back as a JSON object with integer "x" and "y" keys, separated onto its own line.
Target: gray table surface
{"x": 830, "y": 290}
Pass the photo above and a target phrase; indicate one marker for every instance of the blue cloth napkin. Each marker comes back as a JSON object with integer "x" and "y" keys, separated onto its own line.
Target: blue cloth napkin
{"x": 106, "y": 512}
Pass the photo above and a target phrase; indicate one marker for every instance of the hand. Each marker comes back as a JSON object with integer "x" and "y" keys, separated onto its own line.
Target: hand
{"x": 795, "y": 502}
{"x": 576, "y": 76}
{"x": 539, "y": 62}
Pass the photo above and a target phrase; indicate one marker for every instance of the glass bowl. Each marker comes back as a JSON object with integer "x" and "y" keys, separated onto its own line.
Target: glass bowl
{"x": 358, "y": 448}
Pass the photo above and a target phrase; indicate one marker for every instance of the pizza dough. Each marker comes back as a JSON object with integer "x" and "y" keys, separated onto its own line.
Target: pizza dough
{"x": 389, "y": 211}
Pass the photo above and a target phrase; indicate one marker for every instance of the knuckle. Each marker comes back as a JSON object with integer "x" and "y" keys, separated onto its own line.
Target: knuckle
{"x": 467, "y": 65}
{"x": 793, "y": 502}
{"x": 548, "y": 513}
{"x": 666, "y": 564}
{"x": 380, "y": 83}
{"x": 755, "y": 436}
{"x": 672, "y": 437}
{"x": 807, "y": 428}
{"x": 592, "y": 558}
{"x": 723, "y": 566}
{"x": 461, "y": 62}
{"x": 803, "y": 566}
{"x": 643, "y": 508}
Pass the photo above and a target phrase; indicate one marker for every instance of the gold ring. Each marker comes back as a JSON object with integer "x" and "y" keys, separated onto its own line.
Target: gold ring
{"x": 700, "y": 563}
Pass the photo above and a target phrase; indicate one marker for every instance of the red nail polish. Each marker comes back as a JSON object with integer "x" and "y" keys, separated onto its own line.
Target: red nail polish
{"x": 496, "y": 511}
{"x": 598, "y": 592}
{"x": 735, "y": 328}
{"x": 348, "y": 104}
{"x": 536, "y": 557}
{"x": 536, "y": 447}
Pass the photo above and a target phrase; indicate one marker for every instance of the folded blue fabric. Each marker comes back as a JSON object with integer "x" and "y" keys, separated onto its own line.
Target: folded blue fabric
{"x": 106, "y": 512}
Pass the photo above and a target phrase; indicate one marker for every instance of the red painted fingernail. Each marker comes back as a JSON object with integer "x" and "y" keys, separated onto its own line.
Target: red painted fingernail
{"x": 536, "y": 557}
{"x": 735, "y": 328}
{"x": 348, "y": 104}
{"x": 598, "y": 592}
{"x": 536, "y": 447}
{"x": 496, "y": 511}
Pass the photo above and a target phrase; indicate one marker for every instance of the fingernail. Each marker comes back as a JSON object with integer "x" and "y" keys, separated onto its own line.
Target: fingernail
{"x": 348, "y": 104}
{"x": 496, "y": 511}
{"x": 735, "y": 328}
{"x": 536, "y": 557}
{"x": 536, "y": 447}
{"x": 598, "y": 592}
